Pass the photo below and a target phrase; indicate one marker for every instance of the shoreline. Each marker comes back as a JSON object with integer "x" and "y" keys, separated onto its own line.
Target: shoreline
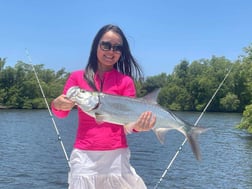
{"x": 3, "y": 107}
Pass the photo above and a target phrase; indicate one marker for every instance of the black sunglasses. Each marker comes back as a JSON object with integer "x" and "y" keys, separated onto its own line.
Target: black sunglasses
{"x": 107, "y": 46}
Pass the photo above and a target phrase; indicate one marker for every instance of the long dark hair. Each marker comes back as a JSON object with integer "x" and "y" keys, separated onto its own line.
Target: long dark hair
{"x": 126, "y": 63}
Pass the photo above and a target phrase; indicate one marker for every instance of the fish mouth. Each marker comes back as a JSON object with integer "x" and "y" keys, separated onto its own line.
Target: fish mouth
{"x": 72, "y": 92}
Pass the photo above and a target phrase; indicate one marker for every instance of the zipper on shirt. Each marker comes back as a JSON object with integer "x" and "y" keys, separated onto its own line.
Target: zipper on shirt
{"x": 101, "y": 84}
{"x": 101, "y": 89}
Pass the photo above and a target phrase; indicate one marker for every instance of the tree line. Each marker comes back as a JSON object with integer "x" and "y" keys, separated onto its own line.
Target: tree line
{"x": 188, "y": 88}
{"x": 19, "y": 88}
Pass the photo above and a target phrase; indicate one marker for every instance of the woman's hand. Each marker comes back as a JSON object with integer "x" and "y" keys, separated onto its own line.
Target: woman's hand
{"x": 145, "y": 122}
{"x": 62, "y": 103}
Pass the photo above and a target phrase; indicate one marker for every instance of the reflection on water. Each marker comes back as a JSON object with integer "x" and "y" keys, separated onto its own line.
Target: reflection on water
{"x": 31, "y": 156}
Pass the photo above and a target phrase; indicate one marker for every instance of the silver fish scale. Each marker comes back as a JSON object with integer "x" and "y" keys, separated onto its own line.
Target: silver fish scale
{"x": 122, "y": 110}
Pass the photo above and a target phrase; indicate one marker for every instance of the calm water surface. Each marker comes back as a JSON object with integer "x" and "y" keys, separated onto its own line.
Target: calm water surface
{"x": 31, "y": 156}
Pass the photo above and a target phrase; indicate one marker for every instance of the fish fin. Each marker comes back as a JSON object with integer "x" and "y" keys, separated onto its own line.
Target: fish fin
{"x": 99, "y": 118}
{"x": 192, "y": 139}
{"x": 161, "y": 133}
{"x": 152, "y": 97}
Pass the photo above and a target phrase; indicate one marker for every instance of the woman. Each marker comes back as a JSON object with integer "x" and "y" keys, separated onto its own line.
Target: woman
{"x": 100, "y": 158}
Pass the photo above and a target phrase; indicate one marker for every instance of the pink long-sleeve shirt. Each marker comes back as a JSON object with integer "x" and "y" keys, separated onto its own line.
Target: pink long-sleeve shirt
{"x": 90, "y": 135}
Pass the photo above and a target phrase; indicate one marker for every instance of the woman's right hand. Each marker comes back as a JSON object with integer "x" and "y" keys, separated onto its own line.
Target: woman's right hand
{"x": 62, "y": 103}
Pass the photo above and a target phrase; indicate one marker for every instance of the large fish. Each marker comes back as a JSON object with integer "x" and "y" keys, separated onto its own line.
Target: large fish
{"x": 122, "y": 110}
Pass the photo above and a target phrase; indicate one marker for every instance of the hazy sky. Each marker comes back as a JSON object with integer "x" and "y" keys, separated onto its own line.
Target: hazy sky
{"x": 161, "y": 33}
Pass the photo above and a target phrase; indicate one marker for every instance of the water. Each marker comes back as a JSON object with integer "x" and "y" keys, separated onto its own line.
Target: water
{"x": 31, "y": 156}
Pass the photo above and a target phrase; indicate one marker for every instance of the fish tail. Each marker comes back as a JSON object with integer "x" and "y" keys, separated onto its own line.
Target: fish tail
{"x": 192, "y": 139}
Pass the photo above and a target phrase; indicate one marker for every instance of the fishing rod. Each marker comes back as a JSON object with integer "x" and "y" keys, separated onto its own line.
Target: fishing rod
{"x": 195, "y": 125}
{"x": 48, "y": 108}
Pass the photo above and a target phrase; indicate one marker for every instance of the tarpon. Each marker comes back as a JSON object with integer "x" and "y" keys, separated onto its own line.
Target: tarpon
{"x": 123, "y": 110}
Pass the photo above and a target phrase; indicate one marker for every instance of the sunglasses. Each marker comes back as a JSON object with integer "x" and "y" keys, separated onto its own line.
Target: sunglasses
{"x": 107, "y": 46}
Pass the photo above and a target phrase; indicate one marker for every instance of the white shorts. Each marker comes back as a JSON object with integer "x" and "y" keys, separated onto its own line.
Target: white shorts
{"x": 103, "y": 170}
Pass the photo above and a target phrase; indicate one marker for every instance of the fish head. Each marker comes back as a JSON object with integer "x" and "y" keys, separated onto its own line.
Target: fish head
{"x": 86, "y": 100}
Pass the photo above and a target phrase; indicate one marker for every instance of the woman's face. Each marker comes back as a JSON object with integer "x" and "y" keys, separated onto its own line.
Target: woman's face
{"x": 109, "y": 50}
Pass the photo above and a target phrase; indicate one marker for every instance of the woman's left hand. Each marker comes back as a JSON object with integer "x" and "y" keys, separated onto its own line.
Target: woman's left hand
{"x": 145, "y": 122}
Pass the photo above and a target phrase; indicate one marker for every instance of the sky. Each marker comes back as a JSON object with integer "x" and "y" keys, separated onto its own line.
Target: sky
{"x": 161, "y": 33}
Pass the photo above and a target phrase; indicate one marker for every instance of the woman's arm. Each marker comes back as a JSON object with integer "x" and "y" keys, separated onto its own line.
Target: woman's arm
{"x": 61, "y": 106}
